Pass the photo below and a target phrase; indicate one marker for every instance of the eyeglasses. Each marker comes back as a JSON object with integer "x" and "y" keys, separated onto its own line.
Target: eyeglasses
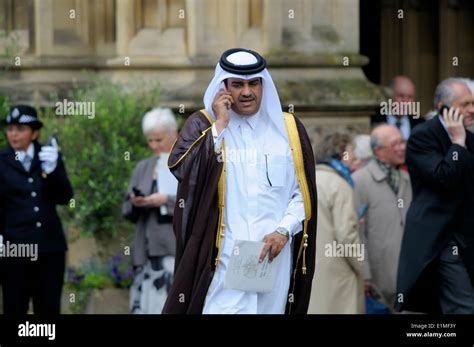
{"x": 397, "y": 143}
{"x": 394, "y": 144}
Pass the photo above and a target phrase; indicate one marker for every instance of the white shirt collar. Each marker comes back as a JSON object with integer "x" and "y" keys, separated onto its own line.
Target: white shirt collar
{"x": 30, "y": 151}
{"x": 236, "y": 120}
{"x": 252, "y": 120}
{"x": 445, "y": 127}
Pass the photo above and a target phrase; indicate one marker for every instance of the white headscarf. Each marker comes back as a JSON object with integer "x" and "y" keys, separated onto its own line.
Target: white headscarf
{"x": 270, "y": 105}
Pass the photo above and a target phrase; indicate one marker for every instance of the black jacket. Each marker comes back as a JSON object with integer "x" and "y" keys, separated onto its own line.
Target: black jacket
{"x": 28, "y": 202}
{"x": 442, "y": 179}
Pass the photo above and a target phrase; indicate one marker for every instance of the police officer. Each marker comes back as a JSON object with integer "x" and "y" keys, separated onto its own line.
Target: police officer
{"x": 33, "y": 180}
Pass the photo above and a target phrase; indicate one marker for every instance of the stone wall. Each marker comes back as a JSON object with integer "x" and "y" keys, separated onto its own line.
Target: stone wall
{"x": 311, "y": 47}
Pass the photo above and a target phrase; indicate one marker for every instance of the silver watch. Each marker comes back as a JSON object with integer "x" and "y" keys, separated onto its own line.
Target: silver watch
{"x": 283, "y": 231}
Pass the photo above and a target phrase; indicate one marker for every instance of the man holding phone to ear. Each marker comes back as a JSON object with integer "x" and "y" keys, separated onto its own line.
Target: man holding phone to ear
{"x": 436, "y": 268}
{"x": 266, "y": 195}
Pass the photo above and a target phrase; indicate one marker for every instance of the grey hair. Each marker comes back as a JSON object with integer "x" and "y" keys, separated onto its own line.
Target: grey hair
{"x": 332, "y": 146}
{"x": 375, "y": 142}
{"x": 159, "y": 119}
{"x": 445, "y": 93}
{"x": 470, "y": 83}
{"x": 362, "y": 147}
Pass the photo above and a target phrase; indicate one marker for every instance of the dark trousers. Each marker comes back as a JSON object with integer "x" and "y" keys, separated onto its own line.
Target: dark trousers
{"x": 456, "y": 290}
{"x": 41, "y": 280}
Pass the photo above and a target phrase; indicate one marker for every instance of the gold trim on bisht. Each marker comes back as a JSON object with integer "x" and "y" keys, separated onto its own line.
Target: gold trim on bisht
{"x": 189, "y": 149}
{"x": 220, "y": 195}
{"x": 297, "y": 154}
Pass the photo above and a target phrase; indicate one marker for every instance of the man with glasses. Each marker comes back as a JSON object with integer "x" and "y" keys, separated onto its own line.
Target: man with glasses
{"x": 385, "y": 190}
{"x": 403, "y": 103}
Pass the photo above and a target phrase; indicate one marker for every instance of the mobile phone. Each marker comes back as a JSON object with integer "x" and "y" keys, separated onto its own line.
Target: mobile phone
{"x": 137, "y": 192}
{"x": 50, "y": 140}
{"x": 443, "y": 107}
{"x": 224, "y": 87}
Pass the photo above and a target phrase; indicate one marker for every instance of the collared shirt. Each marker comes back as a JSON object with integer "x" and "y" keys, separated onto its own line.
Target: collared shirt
{"x": 393, "y": 175}
{"x": 404, "y": 127}
{"x": 262, "y": 193}
{"x": 30, "y": 151}
{"x": 445, "y": 127}
{"x": 22, "y": 156}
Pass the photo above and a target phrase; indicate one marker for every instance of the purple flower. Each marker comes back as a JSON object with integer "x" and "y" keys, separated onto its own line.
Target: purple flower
{"x": 120, "y": 270}
{"x": 74, "y": 276}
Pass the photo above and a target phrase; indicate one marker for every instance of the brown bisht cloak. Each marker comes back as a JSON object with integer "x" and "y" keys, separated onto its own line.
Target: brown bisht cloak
{"x": 196, "y": 218}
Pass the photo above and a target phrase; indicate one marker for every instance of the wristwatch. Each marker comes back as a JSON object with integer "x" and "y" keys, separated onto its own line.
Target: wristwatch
{"x": 283, "y": 231}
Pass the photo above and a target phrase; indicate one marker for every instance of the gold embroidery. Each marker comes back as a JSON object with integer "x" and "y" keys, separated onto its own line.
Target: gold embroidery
{"x": 221, "y": 197}
{"x": 297, "y": 154}
{"x": 192, "y": 145}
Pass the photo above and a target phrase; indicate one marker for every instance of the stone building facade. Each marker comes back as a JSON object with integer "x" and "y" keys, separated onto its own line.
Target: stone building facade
{"x": 313, "y": 48}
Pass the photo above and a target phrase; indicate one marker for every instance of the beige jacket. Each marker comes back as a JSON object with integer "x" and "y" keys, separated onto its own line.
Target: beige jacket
{"x": 337, "y": 282}
{"x": 383, "y": 225}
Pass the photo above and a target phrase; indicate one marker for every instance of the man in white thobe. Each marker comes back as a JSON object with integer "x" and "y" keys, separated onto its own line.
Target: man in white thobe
{"x": 263, "y": 201}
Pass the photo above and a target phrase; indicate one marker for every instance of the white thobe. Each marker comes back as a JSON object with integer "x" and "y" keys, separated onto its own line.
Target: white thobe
{"x": 262, "y": 193}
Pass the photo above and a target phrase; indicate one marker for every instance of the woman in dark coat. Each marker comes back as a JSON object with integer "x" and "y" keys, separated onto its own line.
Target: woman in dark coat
{"x": 33, "y": 180}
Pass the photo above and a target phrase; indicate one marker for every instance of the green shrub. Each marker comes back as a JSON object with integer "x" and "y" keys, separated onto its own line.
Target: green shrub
{"x": 92, "y": 276}
{"x": 82, "y": 281}
{"x": 100, "y": 152}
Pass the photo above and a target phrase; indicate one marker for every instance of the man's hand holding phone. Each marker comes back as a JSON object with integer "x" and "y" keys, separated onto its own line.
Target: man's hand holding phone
{"x": 455, "y": 124}
{"x": 221, "y": 106}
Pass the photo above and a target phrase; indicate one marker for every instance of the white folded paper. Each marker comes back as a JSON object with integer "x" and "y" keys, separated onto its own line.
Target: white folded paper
{"x": 166, "y": 182}
{"x": 244, "y": 272}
